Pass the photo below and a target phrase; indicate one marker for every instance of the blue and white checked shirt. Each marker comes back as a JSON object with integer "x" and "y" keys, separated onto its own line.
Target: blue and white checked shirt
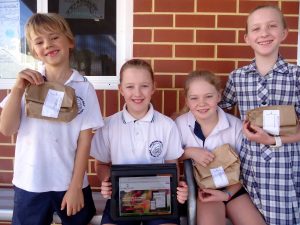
{"x": 272, "y": 176}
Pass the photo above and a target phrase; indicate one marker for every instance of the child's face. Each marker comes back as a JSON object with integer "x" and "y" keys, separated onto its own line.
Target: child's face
{"x": 137, "y": 88}
{"x": 202, "y": 99}
{"x": 265, "y": 32}
{"x": 51, "y": 47}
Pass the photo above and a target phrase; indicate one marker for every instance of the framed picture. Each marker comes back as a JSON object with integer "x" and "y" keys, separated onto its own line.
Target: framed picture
{"x": 144, "y": 191}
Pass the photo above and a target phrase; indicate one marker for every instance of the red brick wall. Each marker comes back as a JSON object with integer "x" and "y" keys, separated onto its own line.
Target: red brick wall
{"x": 178, "y": 36}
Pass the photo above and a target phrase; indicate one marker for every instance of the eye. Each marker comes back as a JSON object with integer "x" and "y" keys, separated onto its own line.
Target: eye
{"x": 54, "y": 37}
{"x": 129, "y": 86}
{"x": 255, "y": 29}
{"x": 145, "y": 85}
{"x": 38, "y": 43}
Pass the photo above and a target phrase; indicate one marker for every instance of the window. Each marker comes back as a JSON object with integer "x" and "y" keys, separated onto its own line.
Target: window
{"x": 103, "y": 40}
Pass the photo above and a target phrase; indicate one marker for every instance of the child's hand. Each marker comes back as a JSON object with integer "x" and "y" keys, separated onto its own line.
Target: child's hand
{"x": 106, "y": 188}
{"x": 73, "y": 200}
{"x": 28, "y": 76}
{"x": 211, "y": 195}
{"x": 257, "y": 134}
{"x": 203, "y": 157}
{"x": 182, "y": 192}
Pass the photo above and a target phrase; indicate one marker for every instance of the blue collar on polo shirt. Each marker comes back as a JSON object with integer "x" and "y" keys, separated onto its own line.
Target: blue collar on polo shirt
{"x": 127, "y": 118}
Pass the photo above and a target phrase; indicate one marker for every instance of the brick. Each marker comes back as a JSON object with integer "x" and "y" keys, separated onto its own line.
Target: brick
{"x": 3, "y": 93}
{"x": 214, "y": 6}
{"x": 292, "y": 22}
{"x": 223, "y": 80}
{"x": 7, "y": 150}
{"x": 234, "y": 52}
{"x": 176, "y": 66}
{"x": 163, "y": 81}
{"x": 215, "y": 36}
{"x": 140, "y": 50}
{"x": 156, "y": 100}
{"x": 195, "y": 21}
{"x": 142, "y": 35}
{"x": 170, "y": 98}
{"x": 94, "y": 181}
{"x": 288, "y": 52}
{"x": 174, "y": 5}
{"x": 221, "y": 66}
{"x": 194, "y": 51}
{"x": 246, "y": 6}
{"x": 173, "y": 35}
{"x": 6, "y": 178}
{"x": 182, "y": 107}
{"x": 232, "y": 21}
{"x": 111, "y": 102}
{"x": 6, "y": 164}
{"x": 100, "y": 97}
{"x": 242, "y": 63}
{"x": 156, "y": 20}
{"x": 290, "y": 7}
{"x": 142, "y": 6}
{"x": 241, "y": 34}
{"x": 292, "y": 38}
{"x": 5, "y": 139}
{"x": 180, "y": 81}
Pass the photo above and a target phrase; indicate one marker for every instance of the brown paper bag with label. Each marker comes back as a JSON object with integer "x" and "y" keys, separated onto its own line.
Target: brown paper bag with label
{"x": 226, "y": 158}
{"x": 288, "y": 118}
{"x": 35, "y": 96}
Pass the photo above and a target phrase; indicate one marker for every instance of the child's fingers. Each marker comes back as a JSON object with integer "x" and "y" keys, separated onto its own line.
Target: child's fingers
{"x": 63, "y": 204}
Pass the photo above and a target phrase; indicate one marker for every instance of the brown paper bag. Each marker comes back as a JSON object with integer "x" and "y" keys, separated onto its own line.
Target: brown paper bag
{"x": 288, "y": 118}
{"x": 35, "y": 96}
{"x": 226, "y": 158}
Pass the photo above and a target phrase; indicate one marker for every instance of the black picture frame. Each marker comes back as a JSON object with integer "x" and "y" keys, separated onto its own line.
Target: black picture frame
{"x": 148, "y": 203}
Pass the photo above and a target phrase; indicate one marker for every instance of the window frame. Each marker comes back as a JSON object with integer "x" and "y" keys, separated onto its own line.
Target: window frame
{"x": 124, "y": 45}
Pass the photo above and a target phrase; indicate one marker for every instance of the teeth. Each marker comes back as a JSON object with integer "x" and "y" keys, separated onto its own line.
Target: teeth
{"x": 265, "y": 42}
{"x": 52, "y": 53}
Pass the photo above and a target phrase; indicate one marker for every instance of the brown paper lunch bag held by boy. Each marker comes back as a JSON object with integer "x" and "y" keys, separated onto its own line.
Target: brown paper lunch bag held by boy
{"x": 35, "y": 96}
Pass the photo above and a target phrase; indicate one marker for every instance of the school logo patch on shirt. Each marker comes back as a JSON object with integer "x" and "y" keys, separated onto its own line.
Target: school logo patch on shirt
{"x": 81, "y": 104}
{"x": 155, "y": 148}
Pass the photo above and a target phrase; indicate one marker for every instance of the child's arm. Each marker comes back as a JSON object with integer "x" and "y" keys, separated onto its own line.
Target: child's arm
{"x": 199, "y": 155}
{"x": 103, "y": 173}
{"x": 211, "y": 195}
{"x": 182, "y": 188}
{"x": 11, "y": 113}
{"x": 73, "y": 198}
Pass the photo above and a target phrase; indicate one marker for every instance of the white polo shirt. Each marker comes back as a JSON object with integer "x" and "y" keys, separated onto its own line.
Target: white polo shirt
{"x": 228, "y": 130}
{"x": 125, "y": 140}
{"x": 45, "y": 150}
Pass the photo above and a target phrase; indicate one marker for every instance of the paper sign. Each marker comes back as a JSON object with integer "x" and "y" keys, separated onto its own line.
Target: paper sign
{"x": 219, "y": 177}
{"x": 271, "y": 121}
{"x": 52, "y": 103}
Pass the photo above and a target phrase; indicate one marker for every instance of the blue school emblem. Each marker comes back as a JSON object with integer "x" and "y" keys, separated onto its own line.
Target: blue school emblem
{"x": 81, "y": 104}
{"x": 155, "y": 148}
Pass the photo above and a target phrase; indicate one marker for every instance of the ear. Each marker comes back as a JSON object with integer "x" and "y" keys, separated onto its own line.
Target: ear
{"x": 284, "y": 34}
{"x": 120, "y": 89}
{"x": 246, "y": 38}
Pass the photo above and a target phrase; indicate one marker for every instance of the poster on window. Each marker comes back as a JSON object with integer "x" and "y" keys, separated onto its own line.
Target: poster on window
{"x": 82, "y": 9}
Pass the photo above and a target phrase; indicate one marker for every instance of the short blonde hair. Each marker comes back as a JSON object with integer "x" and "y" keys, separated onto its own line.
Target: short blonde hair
{"x": 274, "y": 7}
{"x": 40, "y": 22}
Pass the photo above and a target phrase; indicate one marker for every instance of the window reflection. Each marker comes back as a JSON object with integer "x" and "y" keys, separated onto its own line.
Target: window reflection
{"x": 93, "y": 23}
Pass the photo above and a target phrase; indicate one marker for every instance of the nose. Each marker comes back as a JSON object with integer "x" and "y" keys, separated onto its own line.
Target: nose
{"x": 264, "y": 31}
{"x": 47, "y": 43}
{"x": 137, "y": 91}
